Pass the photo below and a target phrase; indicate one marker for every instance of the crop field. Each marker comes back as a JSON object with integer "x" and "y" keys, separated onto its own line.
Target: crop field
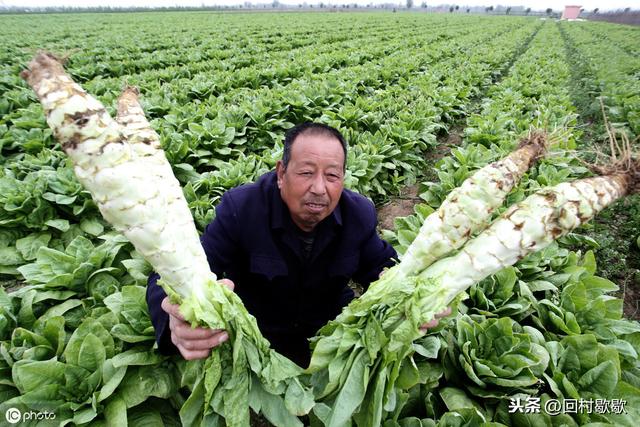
{"x": 424, "y": 100}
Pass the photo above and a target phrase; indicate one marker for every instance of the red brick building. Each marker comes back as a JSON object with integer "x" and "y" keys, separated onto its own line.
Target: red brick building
{"x": 571, "y": 12}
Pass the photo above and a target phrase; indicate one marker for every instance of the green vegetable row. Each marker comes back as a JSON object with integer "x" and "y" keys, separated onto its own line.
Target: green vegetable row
{"x": 222, "y": 89}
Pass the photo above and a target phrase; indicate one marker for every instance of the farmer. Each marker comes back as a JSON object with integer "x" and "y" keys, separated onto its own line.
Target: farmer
{"x": 288, "y": 245}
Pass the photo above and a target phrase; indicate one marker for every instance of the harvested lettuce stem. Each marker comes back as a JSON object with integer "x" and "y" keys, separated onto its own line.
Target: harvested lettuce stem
{"x": 529, "y": 226}
{"x": 466, "y": 211}
{"x": 122, "y": 165}
{"x": 129, "y": 178}
{"x": 468, "y": 208}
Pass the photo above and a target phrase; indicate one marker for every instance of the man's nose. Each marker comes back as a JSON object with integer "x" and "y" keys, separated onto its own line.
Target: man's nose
{"x": 318, "y": 186}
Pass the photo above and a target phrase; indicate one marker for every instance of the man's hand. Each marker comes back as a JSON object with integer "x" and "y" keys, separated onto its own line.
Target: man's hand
{"x": 193, "y": 343}
{"x": 433, "y": 323}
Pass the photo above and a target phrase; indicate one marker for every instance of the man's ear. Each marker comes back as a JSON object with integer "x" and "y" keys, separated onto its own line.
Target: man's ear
{"x": 280, "y": 172}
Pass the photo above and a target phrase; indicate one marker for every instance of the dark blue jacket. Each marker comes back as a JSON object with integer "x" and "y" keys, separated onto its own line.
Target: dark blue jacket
{"x": 253, "y": 242}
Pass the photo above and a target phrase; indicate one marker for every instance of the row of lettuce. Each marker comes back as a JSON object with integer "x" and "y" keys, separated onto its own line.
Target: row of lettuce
{"x": 603, "y": 85}
{"x": 78, "y": 337}
{"x": 207, "y": 144}
{"x": 223, "y": 59}
{"x": 615, "y": 67}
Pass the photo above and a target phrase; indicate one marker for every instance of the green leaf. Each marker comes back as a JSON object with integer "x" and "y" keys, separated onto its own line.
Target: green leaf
{"x": 80, "y": 248}
{"x": 101, "y": 285}
{"x": 10, "y": 256}
{"x": 599, "y": 284}
{"x": 297, "y": 399}
{"x": 192, "y": 410}
{"x": 155, "y": 412}
{"x": 427, "y": 347}
{"x": 507, "y": 279}
{"x": 85, "y": 415}
{"x": 409, "y": 374}
{"x": 541, "y": 285}
{"x": 271, "y": 406}
{"x": 352, "y": 392}
{"x": 601, "y": 380}
{"x": 31, "y": 375}
{"x": 127, "y": 334}
{"x": 59, "y": 224}
{"x": 136, "y": 356}
{"x": 28, "y": 246}
{"x": 115, "y": 412}
{"x": 589, "y": 262}
{"x": 111, "y": 378}
{"x": 61, "y": 309}
{"x": 141, "y": 382}
{"x": 59, "y": 199}
{"x": 139, "y": 269}
{"x": 87, "y": 327}
{"x": 92, "y": 353}
{"x": 406, "y": 237}
{"x": 91, "y": 226}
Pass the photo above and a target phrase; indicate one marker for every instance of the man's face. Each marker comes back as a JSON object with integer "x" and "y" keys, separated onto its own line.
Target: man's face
{"x": 312, "y": 183}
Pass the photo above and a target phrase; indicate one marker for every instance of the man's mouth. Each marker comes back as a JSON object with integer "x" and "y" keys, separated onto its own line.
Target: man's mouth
{"x": 315, "y": 207}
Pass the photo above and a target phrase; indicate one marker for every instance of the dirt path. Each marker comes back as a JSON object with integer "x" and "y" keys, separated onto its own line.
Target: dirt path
{"x": 403, "y": 204}
{"x": 397, "y": 207}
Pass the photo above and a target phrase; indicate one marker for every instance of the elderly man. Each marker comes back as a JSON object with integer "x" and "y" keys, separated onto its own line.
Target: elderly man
{"x": 288, "y": 245}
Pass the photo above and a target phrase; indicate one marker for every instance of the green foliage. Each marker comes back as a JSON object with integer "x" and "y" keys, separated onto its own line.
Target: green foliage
{"x": 75, "y": 334}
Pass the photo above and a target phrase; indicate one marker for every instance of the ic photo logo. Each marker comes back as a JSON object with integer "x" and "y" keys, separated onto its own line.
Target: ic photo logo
{"x": 14, "y": 415}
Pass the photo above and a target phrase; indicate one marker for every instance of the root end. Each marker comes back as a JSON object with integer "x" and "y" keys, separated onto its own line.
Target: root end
{"x": 127, "y": 100}
{"x": 537, "y": 142}
{"x": 622, "y": 160}
{"x": 43, "y": 65}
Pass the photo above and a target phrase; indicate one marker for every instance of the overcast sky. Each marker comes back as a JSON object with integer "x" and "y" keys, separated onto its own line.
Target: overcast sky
{"x": 536, "y": 5}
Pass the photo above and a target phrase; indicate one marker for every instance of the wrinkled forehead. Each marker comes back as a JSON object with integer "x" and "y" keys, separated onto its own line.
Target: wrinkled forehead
{"x": 312, "y": 145}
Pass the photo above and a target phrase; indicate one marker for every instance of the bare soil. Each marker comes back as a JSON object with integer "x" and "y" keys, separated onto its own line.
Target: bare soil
{"x": 631, "y": 297}
{"x": 397, "y": 207}
{"x": 259, "y": 421}
{"x": 11, "y": 285}
{"x": 403, "y": 204}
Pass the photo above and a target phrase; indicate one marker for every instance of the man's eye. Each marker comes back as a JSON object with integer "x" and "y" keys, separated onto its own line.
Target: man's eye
{"x": 305, "y": 173}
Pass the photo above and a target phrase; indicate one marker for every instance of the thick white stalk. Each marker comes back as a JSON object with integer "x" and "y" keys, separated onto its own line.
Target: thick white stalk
{"x": 529, "y": 226}
{"x": 126, "y": 173}
{"x": 468, "y": 208}
{"x": 123, "y": 167}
